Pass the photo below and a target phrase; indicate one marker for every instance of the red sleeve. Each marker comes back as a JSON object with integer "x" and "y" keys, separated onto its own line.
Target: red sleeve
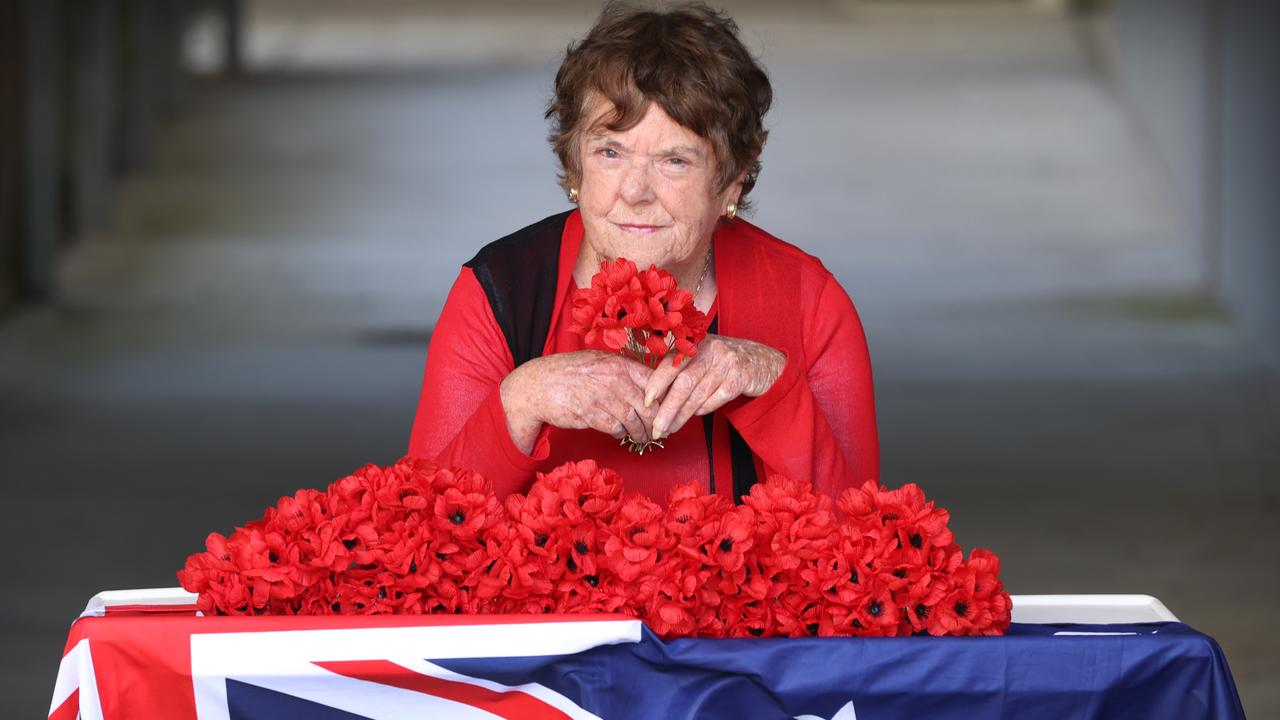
{"x": 818, "y": 422}
{"x": 460, "y": 419}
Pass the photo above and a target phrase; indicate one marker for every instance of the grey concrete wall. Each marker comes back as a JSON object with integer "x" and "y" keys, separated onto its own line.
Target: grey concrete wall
{"x": 1250, "y": 169}
{"x": 1160, "y": 55}
{"x": 1201, "y": 78}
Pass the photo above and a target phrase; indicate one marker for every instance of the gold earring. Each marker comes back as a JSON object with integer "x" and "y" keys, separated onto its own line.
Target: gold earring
{"x": 573, "y": 195}
{"x": 731, "y": 212}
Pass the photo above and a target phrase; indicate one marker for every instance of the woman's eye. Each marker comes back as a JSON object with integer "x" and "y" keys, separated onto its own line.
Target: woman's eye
{"x": 609, "y": 152}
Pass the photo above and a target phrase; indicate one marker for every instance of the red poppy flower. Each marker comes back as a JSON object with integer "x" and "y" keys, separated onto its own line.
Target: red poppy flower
{"x": 305, "y": 509}
{"x": 657, "y": 343}
{"x": 227, "y": 594}
{"x": 688, "y": 509}
{"x": 724, "y": 543}
{"x": 635, "y": 538}
{"x": 747, "y": 617}
{"x": 667, "y": 303}
{"x": 463, "y": 515}
{"x": 876, "y": 614}
{"x": 798, "y": 615}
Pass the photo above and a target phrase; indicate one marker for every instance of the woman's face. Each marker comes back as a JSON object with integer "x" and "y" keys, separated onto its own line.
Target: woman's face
{"x": 648, "y": 194}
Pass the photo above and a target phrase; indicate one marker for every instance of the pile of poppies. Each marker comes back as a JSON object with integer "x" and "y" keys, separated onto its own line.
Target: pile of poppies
{"x": 416, "y": 538}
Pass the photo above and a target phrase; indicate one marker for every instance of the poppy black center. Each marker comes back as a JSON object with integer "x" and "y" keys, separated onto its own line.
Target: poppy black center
{"x": 457, "y": 517}
{"x": 726, "y": 545}
{"x": 962, "y": 608}
{"x": 916, "y": 540}
{"x": 922, "y": 611}
{"x": 540, "y": 540}
{"x": 874, "y": 608}
{"x": 581, "y": 547}
{"x": 592, "y": 580}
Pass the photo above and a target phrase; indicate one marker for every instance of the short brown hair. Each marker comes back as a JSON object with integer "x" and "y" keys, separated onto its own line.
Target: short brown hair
{"x": 689, "y": 60}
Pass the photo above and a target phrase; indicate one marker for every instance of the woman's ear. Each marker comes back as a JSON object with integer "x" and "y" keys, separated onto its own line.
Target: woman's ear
{"x": 734, "y": 191}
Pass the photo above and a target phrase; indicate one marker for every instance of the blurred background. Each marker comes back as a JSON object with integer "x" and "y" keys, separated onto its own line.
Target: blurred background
{"x": 226, "y": 229}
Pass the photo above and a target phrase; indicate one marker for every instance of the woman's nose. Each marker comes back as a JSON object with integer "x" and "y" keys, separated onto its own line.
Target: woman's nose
{"x": 637, "y": 187}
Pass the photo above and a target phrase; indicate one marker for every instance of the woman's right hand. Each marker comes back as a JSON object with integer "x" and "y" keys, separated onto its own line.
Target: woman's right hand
{"x": 577, "y": 390}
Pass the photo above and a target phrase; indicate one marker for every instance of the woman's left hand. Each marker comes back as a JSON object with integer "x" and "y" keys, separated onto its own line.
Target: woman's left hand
{"x": 723, "y": 369}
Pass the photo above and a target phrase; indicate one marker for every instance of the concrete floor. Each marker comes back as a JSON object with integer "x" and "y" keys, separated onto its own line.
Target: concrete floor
{"x": 257, "y": 319}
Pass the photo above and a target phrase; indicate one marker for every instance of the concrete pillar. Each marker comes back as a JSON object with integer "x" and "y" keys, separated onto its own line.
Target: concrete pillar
{"x": 1249, "y": 168}
{"x": 233, "y": 36}
{"x": 11, "y": 123}
{"x": 40, "y": 71}
{"x": 171, "y": 17}
{"x": 93, "y": 110}
{"x": 138, "y": 81}
{"x": 1202, "y": 78}
{"x": 1161, "y": 54}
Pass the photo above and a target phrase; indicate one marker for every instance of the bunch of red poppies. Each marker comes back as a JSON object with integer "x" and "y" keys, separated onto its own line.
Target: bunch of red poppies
{"x": 419, "y": 538}
{"x": 642, "y": 314}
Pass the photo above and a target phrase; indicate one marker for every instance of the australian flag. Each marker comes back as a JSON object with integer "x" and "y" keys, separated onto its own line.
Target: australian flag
{"x": 610, "y": 668}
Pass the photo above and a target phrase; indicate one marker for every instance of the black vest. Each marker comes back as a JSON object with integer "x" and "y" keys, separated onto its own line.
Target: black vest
{"x": 518, "y": 274}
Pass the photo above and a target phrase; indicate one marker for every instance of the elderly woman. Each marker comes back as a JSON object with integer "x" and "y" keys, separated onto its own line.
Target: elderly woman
{"x": 658, "y": 126}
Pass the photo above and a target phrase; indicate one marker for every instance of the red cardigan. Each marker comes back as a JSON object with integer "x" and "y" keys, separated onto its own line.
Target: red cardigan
{"x": 817, "y": 423}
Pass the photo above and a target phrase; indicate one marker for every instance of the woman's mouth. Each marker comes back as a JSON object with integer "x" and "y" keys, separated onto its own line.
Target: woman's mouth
{"x": 638, "y": 229}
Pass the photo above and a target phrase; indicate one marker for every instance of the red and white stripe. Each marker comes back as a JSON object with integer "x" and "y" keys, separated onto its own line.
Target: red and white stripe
{"x": 381, "y": 672}
{"x": 75, "y": 694}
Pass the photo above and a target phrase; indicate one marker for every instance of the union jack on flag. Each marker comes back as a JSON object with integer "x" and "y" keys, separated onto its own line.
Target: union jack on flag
{"x": 470, "y": 668}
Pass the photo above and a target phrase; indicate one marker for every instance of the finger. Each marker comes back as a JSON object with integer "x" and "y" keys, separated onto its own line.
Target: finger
{"x": 614, "y": 404}
{"x": 631, "y": 397}
{"x": 707, "y": 387}
{"x": 600, "y": 419}
{"x": 635, "y": 427}
{"x": 717, "y": 400}
{"x": 660, "y": 379}
{"x": 638, "y": 372}
{"x": 677, "y": 394}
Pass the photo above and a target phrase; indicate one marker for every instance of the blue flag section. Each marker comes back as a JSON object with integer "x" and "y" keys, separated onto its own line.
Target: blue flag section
{"x": 1165, "y": 670}
{"x": 1162, "y": 670}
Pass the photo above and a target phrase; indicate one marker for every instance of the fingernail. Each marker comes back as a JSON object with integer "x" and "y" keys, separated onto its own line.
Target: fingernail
{"x": 648, "y": 399}
{"x": 659, "y": 429}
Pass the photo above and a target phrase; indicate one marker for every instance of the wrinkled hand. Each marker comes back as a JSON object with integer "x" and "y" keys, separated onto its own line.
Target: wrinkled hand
{"x": 576, "y": 390}
{"x": 723, "y": 369}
